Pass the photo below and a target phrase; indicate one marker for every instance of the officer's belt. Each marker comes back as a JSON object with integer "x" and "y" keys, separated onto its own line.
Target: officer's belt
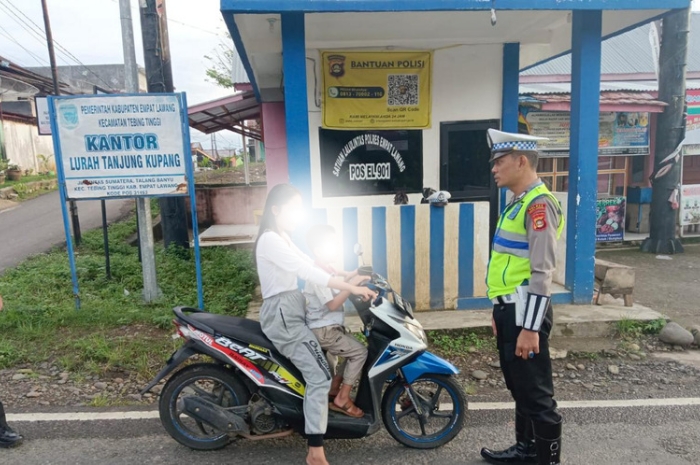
{"x": 505, "y": 299}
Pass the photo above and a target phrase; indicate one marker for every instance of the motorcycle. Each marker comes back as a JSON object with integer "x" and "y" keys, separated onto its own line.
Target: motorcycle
{"x": 249, "y": 390}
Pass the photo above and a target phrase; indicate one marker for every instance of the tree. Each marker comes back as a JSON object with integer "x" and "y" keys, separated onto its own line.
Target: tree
{"x": 221, "y": 60}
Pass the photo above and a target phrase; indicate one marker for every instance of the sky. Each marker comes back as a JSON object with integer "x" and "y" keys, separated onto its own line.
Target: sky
{"x": 91, "y": 31}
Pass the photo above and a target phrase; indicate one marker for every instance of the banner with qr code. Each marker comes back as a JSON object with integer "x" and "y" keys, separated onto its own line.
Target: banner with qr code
{"x": 376, "y": 90}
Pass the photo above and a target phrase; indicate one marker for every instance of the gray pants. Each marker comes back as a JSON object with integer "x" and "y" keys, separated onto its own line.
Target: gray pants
{"x": 283, "y": 320}
{"x": 334, "y": 340}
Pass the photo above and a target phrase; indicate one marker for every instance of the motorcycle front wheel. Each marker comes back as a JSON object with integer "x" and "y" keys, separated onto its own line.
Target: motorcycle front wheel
{"x": 443, "y": 408}
{"x": 211, "y": 382}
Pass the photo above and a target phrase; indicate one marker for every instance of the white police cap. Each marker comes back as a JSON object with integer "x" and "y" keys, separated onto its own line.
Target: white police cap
{"x": 502, "y": 143}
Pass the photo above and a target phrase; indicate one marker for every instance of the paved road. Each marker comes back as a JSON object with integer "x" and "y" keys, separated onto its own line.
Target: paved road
{"x": 36, "y": 225}
{"x": 653, "y": 435}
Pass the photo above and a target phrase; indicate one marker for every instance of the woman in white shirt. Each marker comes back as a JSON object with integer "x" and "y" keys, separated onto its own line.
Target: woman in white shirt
{"x": 282, "y": 316}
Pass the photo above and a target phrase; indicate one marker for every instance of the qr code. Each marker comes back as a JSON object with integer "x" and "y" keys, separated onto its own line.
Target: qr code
{"x": 403, "y": 90}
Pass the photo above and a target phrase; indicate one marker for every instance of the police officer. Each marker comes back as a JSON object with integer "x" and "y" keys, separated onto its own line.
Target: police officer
{"x": 519, "y": 281}
{"x": 8, "y": 437}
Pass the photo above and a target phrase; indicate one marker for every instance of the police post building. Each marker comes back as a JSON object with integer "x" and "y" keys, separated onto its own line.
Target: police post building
{"x": 364, "y": 99}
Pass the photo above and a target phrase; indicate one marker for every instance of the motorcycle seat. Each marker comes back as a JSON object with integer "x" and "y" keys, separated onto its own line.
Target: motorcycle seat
{"x": 241, "y": 329}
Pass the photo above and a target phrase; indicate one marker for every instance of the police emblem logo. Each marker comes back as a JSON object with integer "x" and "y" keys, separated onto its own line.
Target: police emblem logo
{"x": 336, "y": 65}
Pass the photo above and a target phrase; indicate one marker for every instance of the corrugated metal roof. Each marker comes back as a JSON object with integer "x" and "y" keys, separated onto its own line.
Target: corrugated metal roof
{"x": 605, "y": 86}
{"x": 610, "y": 98}
{"x": 628, "y": 53}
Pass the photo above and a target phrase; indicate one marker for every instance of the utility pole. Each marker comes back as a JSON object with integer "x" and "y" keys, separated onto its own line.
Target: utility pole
{"x": 159, "y": 73}
{"x": 670, "y": 131}
{"x": 54, "y": 74}
{"x": 143, "y": 205}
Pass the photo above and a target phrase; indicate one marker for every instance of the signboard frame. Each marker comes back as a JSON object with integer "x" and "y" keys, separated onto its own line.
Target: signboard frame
{"x": 376, "y": 89}
{"x": 606, "y": 146}
{"x": 181, "y": 98}
{"x": 43, "y": 125}
{"x": 618, "y": 235}
{"x": 381, "y": 162}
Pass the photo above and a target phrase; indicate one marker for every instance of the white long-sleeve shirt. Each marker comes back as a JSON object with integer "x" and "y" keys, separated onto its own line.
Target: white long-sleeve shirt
{"x": 280, "y": 263}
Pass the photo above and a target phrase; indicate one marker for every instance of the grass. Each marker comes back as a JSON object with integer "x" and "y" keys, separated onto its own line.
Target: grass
{"x": 632, "y": 329}
{"x": 24, "y": 191}
{"x": 26, "y": 179}
{"x": 460, "y": 342}
{"x": 114, "y": 329}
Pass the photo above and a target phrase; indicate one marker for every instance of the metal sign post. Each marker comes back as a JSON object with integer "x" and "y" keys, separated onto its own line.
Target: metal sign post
{"x": 123, "y": 146}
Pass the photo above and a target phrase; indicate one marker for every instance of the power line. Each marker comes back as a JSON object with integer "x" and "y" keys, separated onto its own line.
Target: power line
{"x": 38, "y": 31}
{"x": 5, "y": 33}
{"x": 182, "y": 23}
{"x": 34, "y": 34}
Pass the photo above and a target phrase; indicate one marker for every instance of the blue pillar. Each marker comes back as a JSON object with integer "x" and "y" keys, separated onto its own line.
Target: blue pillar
{"x": 509, "y": 104}
{"x": 583, "y": 162}
{"x": 295, "y": 102}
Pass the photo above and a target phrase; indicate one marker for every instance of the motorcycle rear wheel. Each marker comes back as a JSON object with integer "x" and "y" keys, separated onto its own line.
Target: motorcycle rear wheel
{"x": 442, "y": 401}
{"x": 226, "y": 390}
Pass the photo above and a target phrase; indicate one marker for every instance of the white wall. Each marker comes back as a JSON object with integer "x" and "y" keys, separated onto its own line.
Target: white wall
{"x": 23, "y": 144}
{"x": 467, "y": 82}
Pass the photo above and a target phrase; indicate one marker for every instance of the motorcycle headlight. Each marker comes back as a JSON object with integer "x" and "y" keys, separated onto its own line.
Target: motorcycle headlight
{"x": 416, "y": 331}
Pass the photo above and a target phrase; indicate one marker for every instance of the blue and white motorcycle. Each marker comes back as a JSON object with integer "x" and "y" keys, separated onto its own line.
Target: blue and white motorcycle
{"x": 253, "y": 392}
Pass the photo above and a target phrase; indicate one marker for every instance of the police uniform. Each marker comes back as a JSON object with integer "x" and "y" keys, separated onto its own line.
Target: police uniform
{"x": 519, "y": 279}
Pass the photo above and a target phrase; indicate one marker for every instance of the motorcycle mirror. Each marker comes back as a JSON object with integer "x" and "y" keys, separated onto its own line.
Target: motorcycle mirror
{"x": 358, "y": 250}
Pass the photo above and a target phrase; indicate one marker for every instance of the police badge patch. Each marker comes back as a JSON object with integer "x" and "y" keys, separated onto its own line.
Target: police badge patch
{"x": 336, "y": 65}
{"x": 538, "y": 214}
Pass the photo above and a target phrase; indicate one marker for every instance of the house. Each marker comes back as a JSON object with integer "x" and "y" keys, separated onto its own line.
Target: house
{"x": 629, "y": 90}
{"x": 361, "y": 99}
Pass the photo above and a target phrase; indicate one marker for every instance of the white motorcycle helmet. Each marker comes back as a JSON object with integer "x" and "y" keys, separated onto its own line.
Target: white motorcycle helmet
{"x": 439, "y": 198}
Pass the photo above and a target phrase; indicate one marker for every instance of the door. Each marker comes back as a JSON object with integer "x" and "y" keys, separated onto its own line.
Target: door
{"x": 465, "y": 171}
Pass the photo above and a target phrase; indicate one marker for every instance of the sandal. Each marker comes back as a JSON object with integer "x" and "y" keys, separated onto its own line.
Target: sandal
{"x": 349, "y": 409}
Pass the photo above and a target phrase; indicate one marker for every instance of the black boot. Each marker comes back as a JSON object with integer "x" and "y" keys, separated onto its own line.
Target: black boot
{"x": 523, "y": 451}
{"x": 548, "y": 443}
{"x": 8, "y": 437}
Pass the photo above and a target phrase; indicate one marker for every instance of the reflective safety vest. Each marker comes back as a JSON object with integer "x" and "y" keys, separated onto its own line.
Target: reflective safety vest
{"x": 509, "y": 266}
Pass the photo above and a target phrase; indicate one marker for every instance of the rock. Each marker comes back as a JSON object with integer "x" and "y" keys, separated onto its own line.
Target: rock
{"x": 678, "y": 348}
{"x": 479, "y": 375}
{"x": 635, "y": 357}
{"x": 590, "y": 387}
{"x": 493, "y": 382}
{"x": 675, "y": 334}
{"x": 19, "y": 377}
{"x": 555, "y": 375}
{"x": 158, "y": 389}
{"x": 147, "y": 395}
{"x": 118, "y": 381}
{"x": 64, "y": 375}
{"x": 569, "y": 366}
{"x": 556, "y": 354}
{"x": 33, "y": 395}
{"x": 572, "y": 376}
{"x": 73, "y": 390}
{"x": 471, "y": 350}
{"x": 614, "y": 370}
{"x": 44, "y": 403}
{"x": 25, "y": 371}
{"x": 62, "y": 381}
{"x": 496, "y": 364}
{"x": 581, "y": 366}
{"x": 695, "y": 331}
{"x": 101, "y": 386}
{"x": 634, "y": 348}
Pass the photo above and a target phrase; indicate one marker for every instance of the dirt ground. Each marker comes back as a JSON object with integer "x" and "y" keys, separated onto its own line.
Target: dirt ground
{"x": 670, "y": 286}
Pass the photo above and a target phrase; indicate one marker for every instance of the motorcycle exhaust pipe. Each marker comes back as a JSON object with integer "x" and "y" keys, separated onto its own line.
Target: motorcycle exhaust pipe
{"x": 214, "y": 415}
